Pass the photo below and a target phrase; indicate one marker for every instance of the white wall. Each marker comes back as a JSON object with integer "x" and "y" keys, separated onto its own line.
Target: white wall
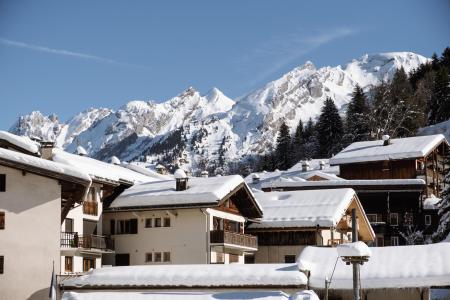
{"x": 30, "y": 241}
{"x": 185, "y": 239}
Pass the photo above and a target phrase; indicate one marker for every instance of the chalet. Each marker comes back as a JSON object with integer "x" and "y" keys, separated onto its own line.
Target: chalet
{"x": 405, "y": 272}
{"x": 296, "y": 219}
{"x": 394, "y": 207}
{"x": 82, "y": 239}
{"x": 186, "y": 220}
{"x": 35, "y": 195}
{"x": 420, "y": 157}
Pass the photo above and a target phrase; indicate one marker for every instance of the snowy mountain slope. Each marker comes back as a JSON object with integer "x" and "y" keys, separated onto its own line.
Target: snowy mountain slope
{"x": 443, "y": 127}
{"x": 210, "y": 129}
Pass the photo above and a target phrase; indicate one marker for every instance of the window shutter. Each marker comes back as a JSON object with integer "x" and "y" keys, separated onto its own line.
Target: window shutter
{"x": 2, "y": 220}
{"x": 2, "y": 182}
{"x": 133, "y": 226}
{"x": 112, "y": 227}
{"x": 2, "y": 261}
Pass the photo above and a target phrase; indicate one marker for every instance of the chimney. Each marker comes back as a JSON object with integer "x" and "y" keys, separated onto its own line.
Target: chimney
{"x": 204, "y": 174}
{"x": 115, "y": 160}
{"x": 255, "y": 178}
{"x": 181, "y": 180}
{"x": 81, "y": 151}
{"x": 305, "y": 166}
{"x": 386, "y": 139}
{"x": 47, "y": 150}
{"x": 160, "y": 169}
{"x": 321, "y": 165}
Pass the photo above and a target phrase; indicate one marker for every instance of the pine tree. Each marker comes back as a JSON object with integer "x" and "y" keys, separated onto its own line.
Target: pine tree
{"x": 357, "y": 118}
{"x": 444, "y": 209}
{"x": 329, "y": 130}
{"x": 311, "y": 144}
{"x": 298, "y": 142}
{"x": 440, "y": 98}
{"x": 283, "y": 149}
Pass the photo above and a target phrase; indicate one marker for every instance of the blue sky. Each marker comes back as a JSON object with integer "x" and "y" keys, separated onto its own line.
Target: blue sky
{"x": 66, "y": 56}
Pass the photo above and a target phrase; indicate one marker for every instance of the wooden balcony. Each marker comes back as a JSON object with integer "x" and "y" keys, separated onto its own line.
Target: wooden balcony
{"x": 234, "y": 239}
{"x": 90, "y": 208}
{"x": 91, "y": 242}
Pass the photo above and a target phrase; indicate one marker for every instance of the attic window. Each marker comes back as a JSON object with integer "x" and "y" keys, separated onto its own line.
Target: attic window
{"x": 2, "y": 182}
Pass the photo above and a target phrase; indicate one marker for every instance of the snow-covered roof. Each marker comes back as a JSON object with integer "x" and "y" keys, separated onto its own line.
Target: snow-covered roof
{"x": 265, "y": 178}
{"x": 179, "y": 174}
{"x": 191, "y": 295}
{"x": 201, "y": 191}
{"x": 22, "y": 142}
{"x": 190, "y": 276}
{"x": 388, "y": 267}
{"x": 314, "y": 164}
{"x": 343, "y": 183}
{"x": 404, "y": 148}
{"x": 141, "y": 168}
{"x": 311, "y": 208}
{"x": 99, "y": 170}
{"x": 42, "y": 166}
{"x": 356, "y": 249}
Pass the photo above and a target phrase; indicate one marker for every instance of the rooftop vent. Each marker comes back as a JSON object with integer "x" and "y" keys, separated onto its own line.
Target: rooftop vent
{"x": 181, "y": 180}
{"x": 322, "y": 165}
{"x": 386, "y": 139}
{"x": 255, "y": 178}
{"x": 305, "y": 166}
{"x": 115, "y": 160}
{"x": 81, "y": 151}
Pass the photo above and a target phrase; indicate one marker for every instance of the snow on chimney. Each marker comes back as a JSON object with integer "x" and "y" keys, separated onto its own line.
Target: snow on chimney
{"x": 81, "y": 151}
{"x": 255, "y": 178}
{"x": 115, "y": 160}
{"x": 204, "y": 174}
{"x": 305, "y": 166}
{"x": 386, "y": 139}
{"x": 181, "y": 180}
{"x": 321, "y": 165}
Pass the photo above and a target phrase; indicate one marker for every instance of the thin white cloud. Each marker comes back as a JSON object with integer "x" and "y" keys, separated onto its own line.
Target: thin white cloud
{"x": 44, "y": 49}
{"x": 281, "y": 51}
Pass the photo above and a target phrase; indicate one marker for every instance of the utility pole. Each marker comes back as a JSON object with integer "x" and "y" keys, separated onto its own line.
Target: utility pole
{"x": 355, "y": 264}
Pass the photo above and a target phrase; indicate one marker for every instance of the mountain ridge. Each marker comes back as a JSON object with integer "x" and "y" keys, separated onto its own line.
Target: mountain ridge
{"x": 208, "y": 130}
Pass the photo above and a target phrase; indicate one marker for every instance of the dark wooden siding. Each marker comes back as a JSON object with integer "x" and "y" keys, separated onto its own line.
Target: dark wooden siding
{"x": 395, "y": 169}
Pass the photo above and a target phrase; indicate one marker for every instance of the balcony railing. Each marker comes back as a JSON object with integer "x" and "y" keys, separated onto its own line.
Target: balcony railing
{"x": 233, "y": 238}
{"x": 91, "y": 241}
{"x": 90, "y": 208}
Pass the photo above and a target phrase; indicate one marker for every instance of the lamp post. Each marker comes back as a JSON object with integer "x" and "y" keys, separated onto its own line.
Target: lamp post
{"x": 356, "y": 257}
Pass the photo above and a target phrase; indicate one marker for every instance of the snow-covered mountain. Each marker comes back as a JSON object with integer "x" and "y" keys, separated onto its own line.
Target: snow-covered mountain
{"x": 206, "y": 130}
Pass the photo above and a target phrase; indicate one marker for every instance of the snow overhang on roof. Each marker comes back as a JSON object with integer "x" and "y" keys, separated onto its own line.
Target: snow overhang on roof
{"x": 303, "y": 209}
{"x": 404, "y": 148}
{"x": 191, "y": 276}
{"x": 20, "y": 142}
{"x": 100, "y": 171}
{"x": 201, "y": 192}
{"x": 388, "y": 267}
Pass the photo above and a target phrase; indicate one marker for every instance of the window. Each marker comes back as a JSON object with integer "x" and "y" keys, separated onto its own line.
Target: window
{"x": 68, "y": 225}
{"x": 2, "y": 262}
{"x": 233, "y": 258}
{"x": 68, "y": 263}
{"x": 289, "y": 259}
{"x": 157, "y": 256}
{"x": 372, "y": 218}
{"x": 112, "y": 227}
{"x": 149, "y": 257}
{"x": 380, "y": 241}
{"x": 166, "y": 222}
{"x": 166, "y": 257}
{"x": 394, "y": 219}
{"x": 88, "y": 263}
{"x": 157, "y": 222}
{"x": 2, "y": 220}
{"x": 127, "y": 226}
{"x": 394, "y": 240}
{"x": 427, "y": 220}
{"x": 408, "y": 219}
{"x": 148, "y": 223}
{"x": 2, "y": 182}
